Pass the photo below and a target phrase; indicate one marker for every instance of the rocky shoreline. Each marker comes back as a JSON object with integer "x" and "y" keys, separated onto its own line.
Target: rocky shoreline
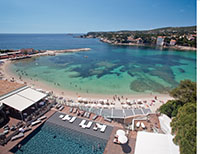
{"x": 176, "y": 47}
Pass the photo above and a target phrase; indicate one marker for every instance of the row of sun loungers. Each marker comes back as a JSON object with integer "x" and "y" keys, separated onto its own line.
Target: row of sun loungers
{"x": 82, "y": 113}
{"x": 67, "y": 117}
{"x": 100, "y": 126}
{"x": 96, "y": 127}
{"x": 83, "y": 125}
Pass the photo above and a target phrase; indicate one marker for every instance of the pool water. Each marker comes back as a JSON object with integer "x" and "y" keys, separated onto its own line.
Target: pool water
{"x": 53, "y": 139}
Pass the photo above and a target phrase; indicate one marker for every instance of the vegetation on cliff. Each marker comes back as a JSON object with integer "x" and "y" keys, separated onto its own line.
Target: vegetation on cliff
{"x": 182, "y": 110}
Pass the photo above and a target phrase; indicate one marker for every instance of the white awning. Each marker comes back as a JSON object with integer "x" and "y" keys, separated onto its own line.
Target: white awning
{"x": 32, "y": 94}
{"x": 17, "y": 102}
{"x": 20, "y": 100}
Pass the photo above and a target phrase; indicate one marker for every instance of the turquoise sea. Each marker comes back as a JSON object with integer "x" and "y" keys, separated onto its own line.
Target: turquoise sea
{"x": 106, "y": 69}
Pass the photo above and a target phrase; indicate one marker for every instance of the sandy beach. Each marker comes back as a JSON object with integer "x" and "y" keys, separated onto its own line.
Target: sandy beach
{"x": 57, "y": 91}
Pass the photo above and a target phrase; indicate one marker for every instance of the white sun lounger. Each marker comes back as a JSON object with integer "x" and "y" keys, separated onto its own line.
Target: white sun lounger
{"x": 61, "y": 116}
{"x": 82, "y": 123}
{"x": 72, "y": 119}
{"x": 103, "y": 128}
{"x": 66, "y": 117}
{"x": 42, "y": 118}
{"x": 138, "y": 124}
{"x": 20, "y": 135}
{"x": 89, "y": 124}
{"x": 143, "y": 126}
{"x": 35, "y": 122}
{"x": 99, "y": 125}
{"x": 95, "y": 128}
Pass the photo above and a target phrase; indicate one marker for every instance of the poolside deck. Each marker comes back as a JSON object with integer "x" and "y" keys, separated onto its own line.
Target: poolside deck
{"x": 129, "y": 148}
{"x": 6, "y": 148}
{"x": 75, "y": 126}
{"x": 99, "y": 119}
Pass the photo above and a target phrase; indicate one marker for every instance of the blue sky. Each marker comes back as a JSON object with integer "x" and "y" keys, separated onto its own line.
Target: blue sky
{"x": 80, "y": 16}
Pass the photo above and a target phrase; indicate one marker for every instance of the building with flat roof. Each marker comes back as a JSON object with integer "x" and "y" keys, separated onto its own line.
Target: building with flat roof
{"x": 17, "y": 98}
{"x": 160, "y": 41}
{"x": 155, "y": 143}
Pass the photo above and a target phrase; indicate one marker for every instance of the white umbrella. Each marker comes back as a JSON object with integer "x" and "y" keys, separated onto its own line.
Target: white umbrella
{"x": 80, "y": 99}
{"x": 99, "y": 105}
{"x": 105, "y": 106}
{"x": 128, "y": 101}
{"x": 122, "y": 139}
{"x": 84, "y": 100}
{"x": 120, "y": 132}
{"x": 105, "y": 101}
{"x": 125, "y": 106}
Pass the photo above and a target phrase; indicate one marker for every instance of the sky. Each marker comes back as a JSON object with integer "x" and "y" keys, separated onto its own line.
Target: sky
{"x": 81, "y": 16}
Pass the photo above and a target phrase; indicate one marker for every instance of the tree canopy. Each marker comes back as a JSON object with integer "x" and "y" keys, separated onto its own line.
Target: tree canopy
{"x": 183, "y": 111}
{"x": 185, "y": 92}
{"x": 184, "y": 127}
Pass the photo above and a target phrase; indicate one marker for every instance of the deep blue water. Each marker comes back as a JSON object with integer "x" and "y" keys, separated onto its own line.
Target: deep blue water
{"x": 53, "y": 139}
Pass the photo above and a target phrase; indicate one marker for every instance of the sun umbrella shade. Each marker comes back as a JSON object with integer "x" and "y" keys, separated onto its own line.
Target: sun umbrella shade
{"x": 122, "y": 139}
{"x": 120, "y": 132}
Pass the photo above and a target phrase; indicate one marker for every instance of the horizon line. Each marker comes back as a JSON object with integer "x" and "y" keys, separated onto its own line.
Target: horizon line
{"x": 95, "y": 31}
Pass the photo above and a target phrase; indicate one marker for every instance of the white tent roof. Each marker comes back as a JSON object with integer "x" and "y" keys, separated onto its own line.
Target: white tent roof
{"x": 147, "y": 143}
{"x": 17, "y": 102}
{"x": 32, "y": 94}
{"x": 23, "y": 99}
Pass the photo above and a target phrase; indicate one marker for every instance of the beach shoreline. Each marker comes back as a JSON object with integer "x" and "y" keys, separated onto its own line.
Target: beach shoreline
{"x": 72, "y": 95}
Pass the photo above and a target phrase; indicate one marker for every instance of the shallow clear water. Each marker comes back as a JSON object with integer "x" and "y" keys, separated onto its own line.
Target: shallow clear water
{"x": 53, "y": 139}
{"x": 106, "y": 69}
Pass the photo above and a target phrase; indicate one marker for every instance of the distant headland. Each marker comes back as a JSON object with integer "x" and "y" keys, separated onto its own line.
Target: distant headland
{"x": 180, "y": 38}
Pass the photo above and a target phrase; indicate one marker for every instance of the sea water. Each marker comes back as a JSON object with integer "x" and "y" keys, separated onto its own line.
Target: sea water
{"x": 105, "y": 69}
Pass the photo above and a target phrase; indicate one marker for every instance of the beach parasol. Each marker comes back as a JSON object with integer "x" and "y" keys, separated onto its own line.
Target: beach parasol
{"x": 122, "y": 139}
{"x": 105, "y": 106}
{"x": 99, "y": 105}
{"x": 79, "y": 99}
{"x": 126, "y": 106}
{"x": 84, "y": 100}
{"x": 120, "y": 132}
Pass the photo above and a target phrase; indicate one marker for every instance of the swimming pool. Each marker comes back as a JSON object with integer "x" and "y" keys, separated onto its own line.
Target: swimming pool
{"x": 53, "y": 139}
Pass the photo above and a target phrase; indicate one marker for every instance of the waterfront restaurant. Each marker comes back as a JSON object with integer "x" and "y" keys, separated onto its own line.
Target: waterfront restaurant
{"x": 21, "y": 101}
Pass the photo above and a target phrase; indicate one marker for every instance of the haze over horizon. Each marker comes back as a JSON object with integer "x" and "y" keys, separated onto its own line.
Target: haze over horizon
{"x": 49, "y": 16}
